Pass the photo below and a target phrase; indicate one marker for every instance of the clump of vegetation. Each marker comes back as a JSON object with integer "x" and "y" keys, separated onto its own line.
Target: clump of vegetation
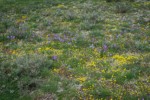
{"x": 23, "y": 74}
{"x": 122, "y": 7}
{"x": 118, "y": 0}
{"x": 112, "y": 0}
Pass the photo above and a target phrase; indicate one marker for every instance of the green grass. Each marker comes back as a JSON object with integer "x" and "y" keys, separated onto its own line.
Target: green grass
{"x": 80, "y": 50}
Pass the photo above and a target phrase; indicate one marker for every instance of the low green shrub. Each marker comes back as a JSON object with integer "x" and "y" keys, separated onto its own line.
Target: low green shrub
{"x": 122, "y": 7}
{"x": 118, "y": 0}
{"x": 22, "y": 75}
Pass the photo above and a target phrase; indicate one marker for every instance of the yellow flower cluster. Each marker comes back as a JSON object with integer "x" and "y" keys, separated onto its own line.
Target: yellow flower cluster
{"x": 87, "y": 97}
{"x": 81, "y": 79}
{"x": 103, "y": 71}
{"x": 91, "y": 63}
{"x": 66, "y": 24}
{"x": 16, "y": 52}
{"x": 130, "y": 58}
{"x": 121, "y": 60}
{"x": 86, "y": 94}
{"x": 88, "y": 89}
{"x": 147, "y": 3}
{"x": 22, "y": 19}
{"x": 61, "y": 6}
{"x": 95, "y": 52}
{"x": 56, "y": 70}
{"x": 55, "y": 51}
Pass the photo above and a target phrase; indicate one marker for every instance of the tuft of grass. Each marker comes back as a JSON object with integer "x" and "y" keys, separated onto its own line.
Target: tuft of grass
{"x": 23, "y": 75}
{"x": 122, "y": 7}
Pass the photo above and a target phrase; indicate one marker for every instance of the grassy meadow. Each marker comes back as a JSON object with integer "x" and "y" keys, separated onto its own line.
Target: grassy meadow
{"x": 74, "y": 50}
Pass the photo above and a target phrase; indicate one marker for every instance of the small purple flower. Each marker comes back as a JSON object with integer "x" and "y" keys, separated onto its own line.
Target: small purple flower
{"x": 11, "y": 37}
{"x": 54, "y": 57}
{"x": 33, "y": 35}
{"x": 61, "y": 40}
{"x": 69, "y": 43}
{"x": 117, "y": 36}
{"x": 48, "y": 35}
{"x": 105, "y": 47}
{"x": 56, "y": 36}
{"x": 8, "y": 37}
{"x": 65, "y": 38}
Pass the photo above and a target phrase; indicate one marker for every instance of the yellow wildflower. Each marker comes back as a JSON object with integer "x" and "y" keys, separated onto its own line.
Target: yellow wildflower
{"x": 56, "y": 70}
{"x": 121, "y": 60}
{"x": 91, "y": 63}
{"x": 46, "y": 48}
{"x": 103, "y": 71}
{"x": 24, "y": 17}
{"x": 61, "y": 6}
{"x": 14, "y": 52}
{"x": 81, "y": 79}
